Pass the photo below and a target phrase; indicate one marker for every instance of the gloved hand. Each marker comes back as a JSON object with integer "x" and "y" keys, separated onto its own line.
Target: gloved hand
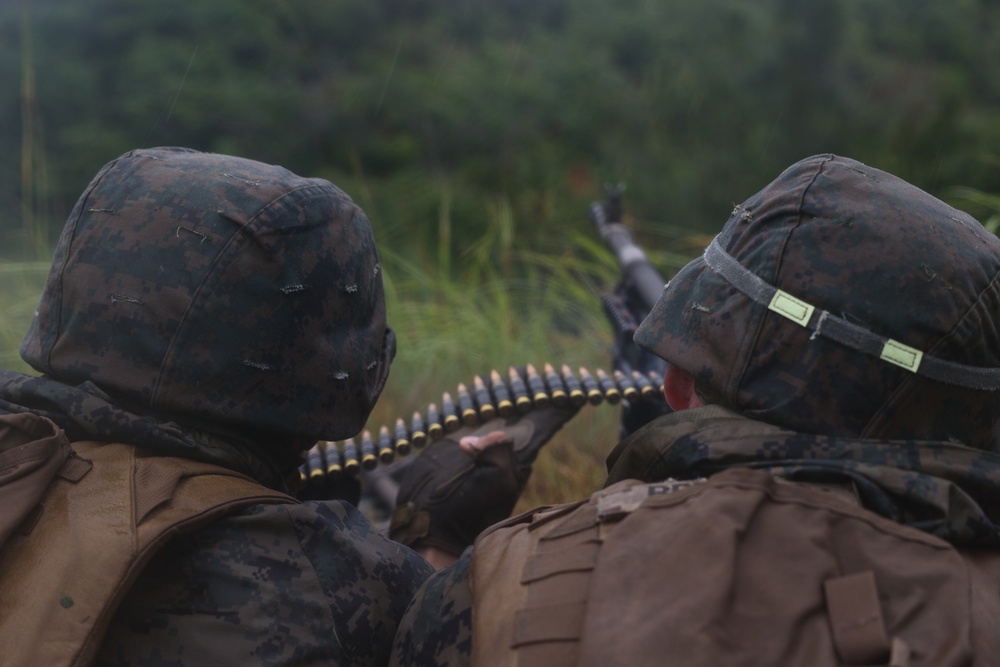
{"x": 470, "y": 480}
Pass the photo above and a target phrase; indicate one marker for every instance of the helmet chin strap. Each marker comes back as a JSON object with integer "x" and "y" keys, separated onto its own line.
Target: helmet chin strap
{"x": 826, "y": 324}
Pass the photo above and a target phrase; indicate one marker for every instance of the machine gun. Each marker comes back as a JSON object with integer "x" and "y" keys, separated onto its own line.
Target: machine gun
{"x": 628, "y": 304}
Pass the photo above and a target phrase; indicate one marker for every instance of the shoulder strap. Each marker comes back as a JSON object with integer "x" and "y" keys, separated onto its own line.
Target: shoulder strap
{"x": 60, "y": 584}
{"x": 33, "y": 451}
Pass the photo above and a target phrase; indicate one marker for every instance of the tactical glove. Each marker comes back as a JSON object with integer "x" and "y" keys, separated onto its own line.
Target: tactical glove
{"x": 448, "y": 496}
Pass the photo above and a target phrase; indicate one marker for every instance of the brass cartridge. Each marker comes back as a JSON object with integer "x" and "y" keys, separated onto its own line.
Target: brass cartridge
{"x": 557, "y": 389}
{"x": 608, "y": 387}
{"x": 646, "y": 388}
{"x": 386, "y": 452}
{"x": 536, "y": 386}
{"x": 626, "y": 386}
{"x": 465, "y": 408}
{"x": 573, "y": 386}
{"x": 334, "y": 462}
{"x": 657, "y": 381}
{"x": 350, "y": 452}
{"x": 418, "y": 430}
{"x": 434, "y": 427}
{"x": 368, "y": 457}
{"x": 313, "y": 467}
{"x": 449, "y": 415}
{"x": 500, "y": 392}
{"x": 594, "y": 394}
{"x": 518, "y": 390}
{"x": 481, "y": 394}
{"x": 402, "y": 444}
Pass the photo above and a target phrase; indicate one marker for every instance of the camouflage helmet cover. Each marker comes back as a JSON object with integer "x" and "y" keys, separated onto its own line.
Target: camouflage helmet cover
{"x": 218, "y": 291}
{"x": 874, "y": 252}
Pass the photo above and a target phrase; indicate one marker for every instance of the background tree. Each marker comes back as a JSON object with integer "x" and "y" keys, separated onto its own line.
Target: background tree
{"x": 433, "y": 103}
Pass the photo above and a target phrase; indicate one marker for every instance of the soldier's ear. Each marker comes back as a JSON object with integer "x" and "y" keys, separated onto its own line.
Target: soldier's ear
{"x": 678, "y": 388}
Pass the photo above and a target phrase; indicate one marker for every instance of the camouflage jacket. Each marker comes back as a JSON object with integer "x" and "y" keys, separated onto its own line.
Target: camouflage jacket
{"x": 309, "y": 584}
{"x": 303, "y": 584}
{"x": 945, "y": 489}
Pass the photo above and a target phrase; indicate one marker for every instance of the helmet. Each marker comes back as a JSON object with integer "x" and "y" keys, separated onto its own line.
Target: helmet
{"x": 841, "y": 300}
{"x": 219, "y": 292}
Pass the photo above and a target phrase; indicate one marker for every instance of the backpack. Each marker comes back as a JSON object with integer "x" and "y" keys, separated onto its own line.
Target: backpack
{"x": 33, "y": 451}
{"x": 80, "y": 521}
{"x": 741, "y": 569}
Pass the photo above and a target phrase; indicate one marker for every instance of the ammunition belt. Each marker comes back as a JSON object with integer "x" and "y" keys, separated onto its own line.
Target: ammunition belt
{"x": 518, "y": 393}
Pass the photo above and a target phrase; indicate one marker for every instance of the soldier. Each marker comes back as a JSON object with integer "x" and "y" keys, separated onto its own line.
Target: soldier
{"x": 827, "y": 489}
{"x": 206, "y": 319}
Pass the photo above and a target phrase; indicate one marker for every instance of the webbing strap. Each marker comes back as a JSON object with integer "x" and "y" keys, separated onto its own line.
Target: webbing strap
{"x": 856, "y": 621}
{"x": 826, "y": 324}
{"x": 580, "y": 556}
{"x": 551, "y": 623}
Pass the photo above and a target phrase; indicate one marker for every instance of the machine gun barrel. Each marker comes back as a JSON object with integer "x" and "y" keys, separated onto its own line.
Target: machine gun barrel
{"x": 634, "y": 296}
{"x": 632, "y": 260}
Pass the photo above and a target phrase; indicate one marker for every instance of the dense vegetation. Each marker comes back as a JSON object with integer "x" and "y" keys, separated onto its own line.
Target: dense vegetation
{"x": 432, "y": 107}
{"x": 475, "y": 133}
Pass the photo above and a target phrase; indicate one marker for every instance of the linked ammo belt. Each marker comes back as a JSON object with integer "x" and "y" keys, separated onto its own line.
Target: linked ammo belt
{"x": 498, "y": 396}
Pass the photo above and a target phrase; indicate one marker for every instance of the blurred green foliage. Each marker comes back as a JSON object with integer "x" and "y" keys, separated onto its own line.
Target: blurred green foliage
{"x": 694, "y": 104}
{"x": 475, "y": 134}
{"x": 20, "y": 285}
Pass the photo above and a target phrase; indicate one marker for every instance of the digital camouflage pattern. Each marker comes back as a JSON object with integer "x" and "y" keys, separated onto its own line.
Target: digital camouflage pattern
{"x": 309, "y": 584}
{"x": 871, "y": 248}
{"x": 436, "y": 630}
{"x": 942, "y": 488}
{"x": 220, "y": 309}
{"x": 220, "y": 292}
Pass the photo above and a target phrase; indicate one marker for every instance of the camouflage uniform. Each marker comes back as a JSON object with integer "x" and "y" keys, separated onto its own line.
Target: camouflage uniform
{"x": 310, "y": 584}
{"x": 223, "y": 310}
{"x": 863, "y": 347}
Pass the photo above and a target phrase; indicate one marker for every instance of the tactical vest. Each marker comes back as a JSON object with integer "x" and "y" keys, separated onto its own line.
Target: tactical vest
{"x": 61, "y": 582}
{"x": 740, "y": 569}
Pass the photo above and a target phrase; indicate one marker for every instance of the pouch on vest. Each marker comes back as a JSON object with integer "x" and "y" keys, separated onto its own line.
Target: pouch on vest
{"x": 739, "y": 569}
{"x": 33, "y": 451}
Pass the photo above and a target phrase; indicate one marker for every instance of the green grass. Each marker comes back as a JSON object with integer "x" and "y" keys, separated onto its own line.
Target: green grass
{"x": 20, "y": 286}
{"x": 451, "y": 329}
{"x": 984, "y": 205}
{"x": 493, "y": 305}
{"x": 498, "y": 304}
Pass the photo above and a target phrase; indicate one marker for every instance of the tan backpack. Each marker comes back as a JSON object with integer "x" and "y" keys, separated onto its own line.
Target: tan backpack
{"x": 33, "y": 451}
{"x": 742, "y": 569}
{"x": 81, "y": 521}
